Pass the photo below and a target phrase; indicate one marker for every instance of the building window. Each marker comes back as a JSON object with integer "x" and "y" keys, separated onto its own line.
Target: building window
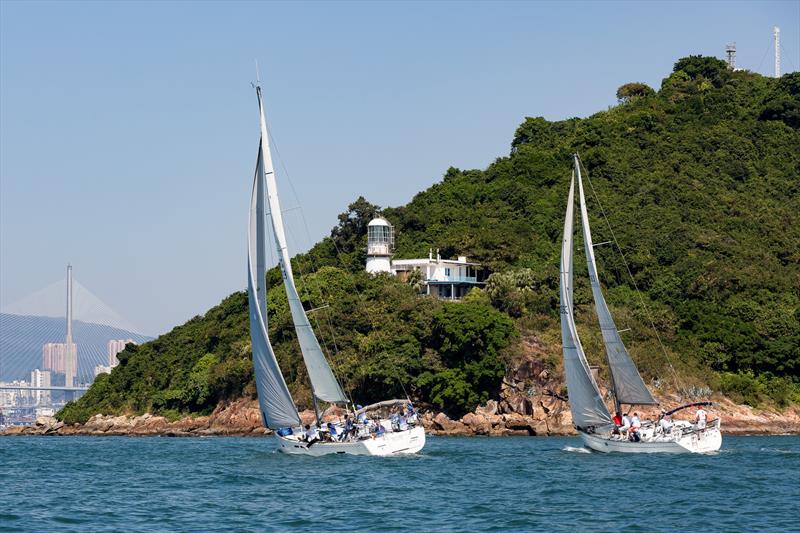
{"x": 447, "y": 272}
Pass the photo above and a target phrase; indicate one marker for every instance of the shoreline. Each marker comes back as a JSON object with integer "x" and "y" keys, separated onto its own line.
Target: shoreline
{"x": 242, "y": 418}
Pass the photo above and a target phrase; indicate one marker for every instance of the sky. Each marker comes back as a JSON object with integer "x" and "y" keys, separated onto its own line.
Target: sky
{"x": 128, "y": 130}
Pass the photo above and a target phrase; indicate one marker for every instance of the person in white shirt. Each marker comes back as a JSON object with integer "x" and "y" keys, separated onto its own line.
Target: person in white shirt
{"x": 664, "y": 422}
{"x": 700, "y": 417}
{"x": 312, "y": 435}
{"x": 635, "y": 425}
{"x": 626, "y": 425}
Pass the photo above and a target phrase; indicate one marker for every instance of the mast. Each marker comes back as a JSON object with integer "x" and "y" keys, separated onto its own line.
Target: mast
{"x": 277, "y": 406}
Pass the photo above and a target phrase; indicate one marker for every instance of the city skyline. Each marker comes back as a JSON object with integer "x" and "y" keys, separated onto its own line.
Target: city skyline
{"x": 147, "y": 140}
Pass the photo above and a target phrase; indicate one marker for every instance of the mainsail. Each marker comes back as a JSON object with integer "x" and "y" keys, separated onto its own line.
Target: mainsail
{"x": 627, "y": 383}
{"x": 277, "y": 406}
{"x": 323, "y": 382}
{"x": 585, "y": 400}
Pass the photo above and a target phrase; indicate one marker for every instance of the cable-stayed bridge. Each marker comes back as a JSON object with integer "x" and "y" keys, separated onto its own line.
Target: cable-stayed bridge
{"x": 40, "y": 318}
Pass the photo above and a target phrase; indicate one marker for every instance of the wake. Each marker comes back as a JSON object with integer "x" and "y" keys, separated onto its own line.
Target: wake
{"x": 576, "y": 450}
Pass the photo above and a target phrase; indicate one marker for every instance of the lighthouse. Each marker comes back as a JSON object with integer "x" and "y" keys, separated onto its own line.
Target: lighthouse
{"x": 380, "y": 246}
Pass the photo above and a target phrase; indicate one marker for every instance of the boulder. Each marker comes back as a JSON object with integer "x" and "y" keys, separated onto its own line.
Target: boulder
{"x": 491, "y": 408}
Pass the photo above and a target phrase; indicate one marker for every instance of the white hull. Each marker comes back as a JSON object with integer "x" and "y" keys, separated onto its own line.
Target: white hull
{"x": 698, "y": 441}
{"x": 391, "y": 443}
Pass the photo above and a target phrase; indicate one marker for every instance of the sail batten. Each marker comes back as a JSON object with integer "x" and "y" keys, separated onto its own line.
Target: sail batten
{"x": 275, "y": 401}
{"x": 629, "y": 388}
{"x": 586, "y": 402}
{"x": 323, "y": 382}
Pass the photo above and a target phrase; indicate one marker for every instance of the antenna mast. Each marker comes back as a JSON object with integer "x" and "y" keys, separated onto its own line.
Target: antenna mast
{"x": 730, "y": 51}
{"x": 776, "y": 33}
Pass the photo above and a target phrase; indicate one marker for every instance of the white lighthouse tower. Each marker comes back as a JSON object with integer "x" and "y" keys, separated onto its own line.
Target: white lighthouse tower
{"x": 380, "y": 246}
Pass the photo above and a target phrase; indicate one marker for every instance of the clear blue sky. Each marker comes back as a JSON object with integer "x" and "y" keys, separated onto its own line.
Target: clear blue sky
{"x": 128, "y": 130}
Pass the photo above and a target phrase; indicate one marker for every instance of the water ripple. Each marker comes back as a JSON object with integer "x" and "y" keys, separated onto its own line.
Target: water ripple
{"x": 522, "y": 484}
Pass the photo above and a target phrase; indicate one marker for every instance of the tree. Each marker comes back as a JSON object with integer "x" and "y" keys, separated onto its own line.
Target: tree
{"x": 633, "y": 90}
{"x": 710, "y": 68}
{"x": 350, "y": 235}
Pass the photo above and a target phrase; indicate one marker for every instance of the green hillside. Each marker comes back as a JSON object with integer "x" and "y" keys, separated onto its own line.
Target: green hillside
{"x": 700, "y": 182}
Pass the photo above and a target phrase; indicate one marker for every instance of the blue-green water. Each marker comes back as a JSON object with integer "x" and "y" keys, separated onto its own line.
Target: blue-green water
{"x": 477, "y": 484}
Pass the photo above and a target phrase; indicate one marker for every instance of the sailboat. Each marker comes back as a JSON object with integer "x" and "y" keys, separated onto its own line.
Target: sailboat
{"x": 278, "y": 409}
{"x": 590, "y": 414}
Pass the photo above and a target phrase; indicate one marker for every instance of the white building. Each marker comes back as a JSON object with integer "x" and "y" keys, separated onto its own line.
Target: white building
{"x": 102, "y": 369}
{"x": 114, "y": 347}
{"x": 41, "y": 378}
{"x": 449, "y": 279}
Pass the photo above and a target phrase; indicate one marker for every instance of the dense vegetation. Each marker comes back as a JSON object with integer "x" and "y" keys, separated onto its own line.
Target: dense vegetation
{"x": 700, "y": 182}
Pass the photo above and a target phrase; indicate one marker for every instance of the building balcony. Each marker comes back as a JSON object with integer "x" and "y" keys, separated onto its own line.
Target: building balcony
{"x": 454, "y": 279}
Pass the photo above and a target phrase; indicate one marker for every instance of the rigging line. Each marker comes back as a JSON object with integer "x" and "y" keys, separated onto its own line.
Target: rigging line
{"x": 397, "y": 377}
{"x": 765, "y": 55}
{"x": 296, "y": 196}
{"x": 635, "y": 285}
{"x": 785, "y": 56}
{"x": 333, "y": 356}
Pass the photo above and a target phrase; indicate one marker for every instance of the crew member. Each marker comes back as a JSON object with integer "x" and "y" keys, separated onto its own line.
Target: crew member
{"x": 635, "y": 425}
{"x": 700, "y": 417}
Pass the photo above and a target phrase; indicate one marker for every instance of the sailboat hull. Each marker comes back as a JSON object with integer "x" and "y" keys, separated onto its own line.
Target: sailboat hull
{"x": 698, "y": 441}
{"x": 394, "y": 443}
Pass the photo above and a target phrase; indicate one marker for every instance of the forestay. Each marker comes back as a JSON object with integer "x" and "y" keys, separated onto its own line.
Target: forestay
{"x": 277, "y": 406}
{"x": 323, "y": 382}
{"x": 586, "y": 403}
{"x": 627, "y": 383}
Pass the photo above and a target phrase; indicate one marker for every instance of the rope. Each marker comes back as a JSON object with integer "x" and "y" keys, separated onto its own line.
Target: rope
{"x": 678, "y": 384}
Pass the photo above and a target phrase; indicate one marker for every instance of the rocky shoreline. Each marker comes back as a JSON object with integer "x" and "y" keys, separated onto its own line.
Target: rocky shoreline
{"x": 527, "y": 406}
{"x": 243, "y": 418}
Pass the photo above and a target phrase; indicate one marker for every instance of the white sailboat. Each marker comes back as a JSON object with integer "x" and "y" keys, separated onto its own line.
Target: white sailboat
{"x": 277, "y": 406}
{"x": 590, "y": 414}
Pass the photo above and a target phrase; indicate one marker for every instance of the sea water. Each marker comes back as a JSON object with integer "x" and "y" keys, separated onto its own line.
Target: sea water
{"x": 475, "y": 484}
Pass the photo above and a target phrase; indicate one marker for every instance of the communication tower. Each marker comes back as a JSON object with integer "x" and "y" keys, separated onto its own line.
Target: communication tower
{"x": 730, "y": 51}
{"x": 776, "y": 34}
{"x": 380, "y": 246}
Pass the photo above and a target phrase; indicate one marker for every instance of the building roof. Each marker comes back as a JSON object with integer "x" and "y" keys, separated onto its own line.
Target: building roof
{"x": 425, "y": 261}
{"x": 379, "y": 221}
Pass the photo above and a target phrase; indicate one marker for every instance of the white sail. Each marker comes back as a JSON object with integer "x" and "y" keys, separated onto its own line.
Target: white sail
{"x": 628, "y": 385}
{"x": 585, "y": 400}
{"x": 274, "y": 399}
{"x": 323, "y": 382}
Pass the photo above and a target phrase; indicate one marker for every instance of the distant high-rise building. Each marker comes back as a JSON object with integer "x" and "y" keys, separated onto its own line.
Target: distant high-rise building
{"x": 41, "y": 378}
{"x": 114, "y": 347}
{"x": 53, "y": 354}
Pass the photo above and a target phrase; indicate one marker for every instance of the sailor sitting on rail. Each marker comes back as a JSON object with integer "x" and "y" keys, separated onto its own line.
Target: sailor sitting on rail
{"x": 311, "y": 434}
{"x": 665, "y": 422}
{"x": 348, "y": 427}
{"x": 332, "y": 432}
{"x": 633, "y": 434}
{"x": 626, "y": 425}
